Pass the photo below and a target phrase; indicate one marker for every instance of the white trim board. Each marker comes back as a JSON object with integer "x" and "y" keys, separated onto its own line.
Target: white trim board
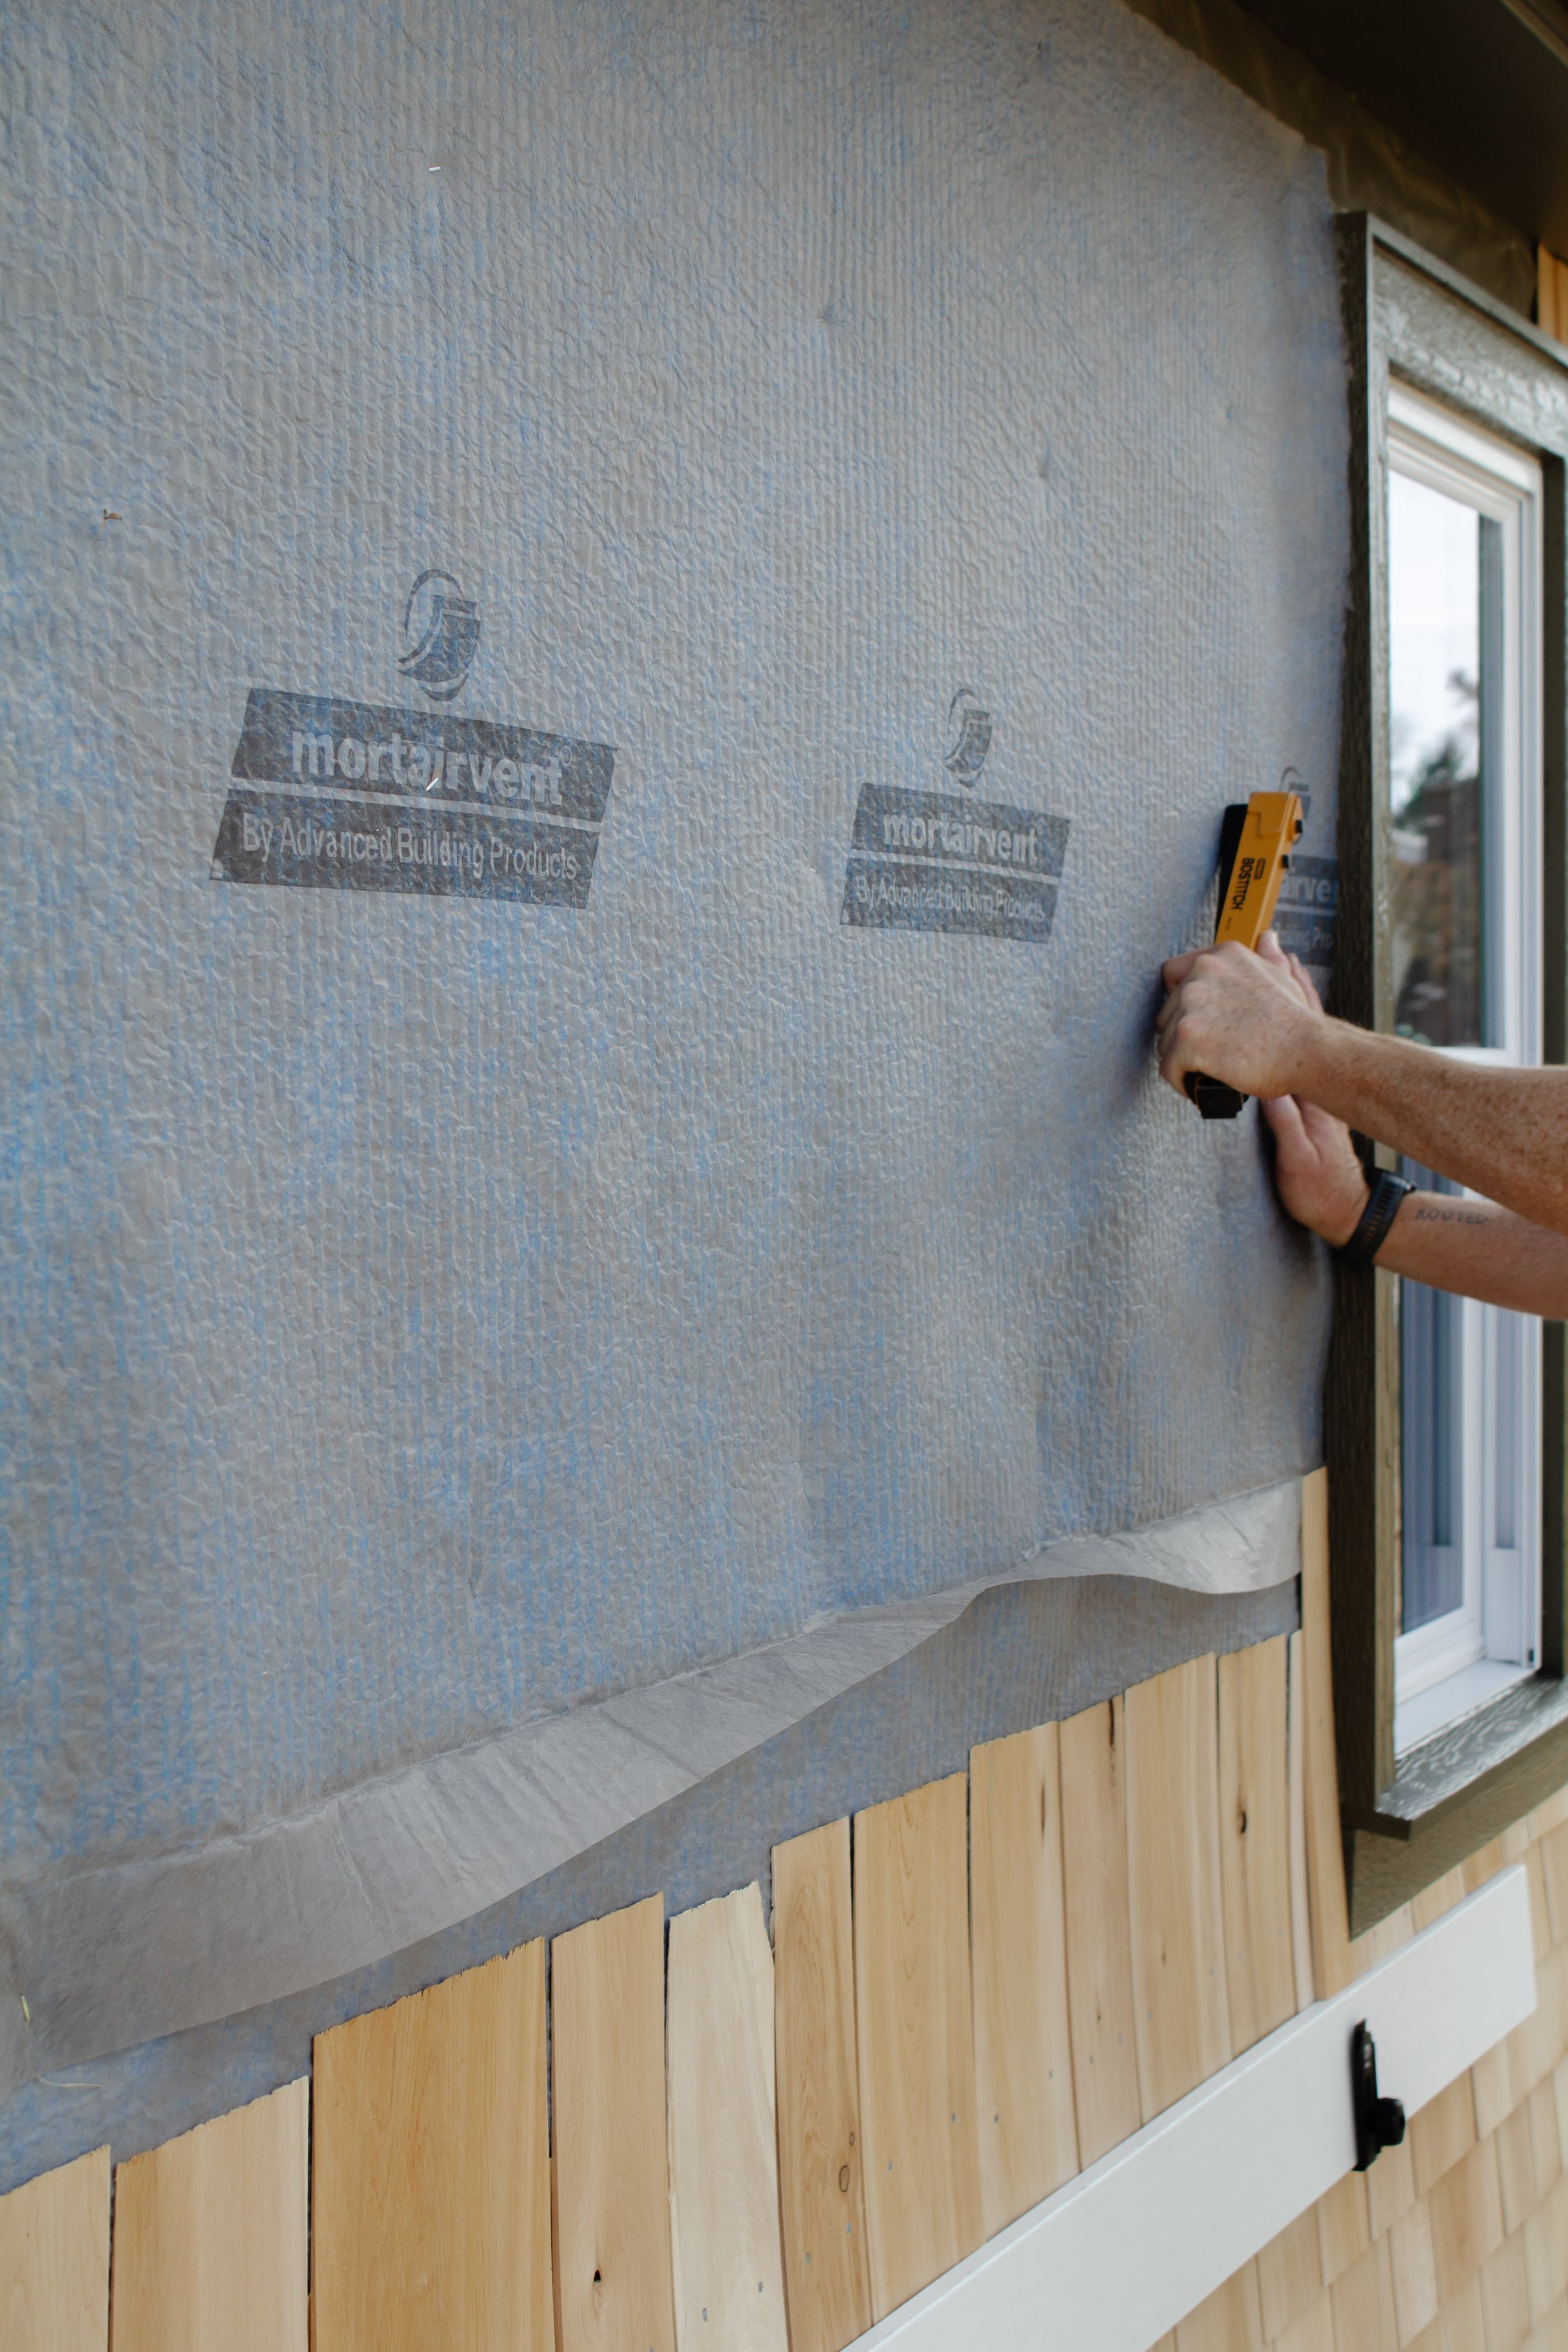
{"x": 1118, "y": 2256}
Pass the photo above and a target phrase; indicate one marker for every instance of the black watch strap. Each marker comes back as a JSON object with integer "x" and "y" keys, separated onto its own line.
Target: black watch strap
{"x": 1382, "y": 1208}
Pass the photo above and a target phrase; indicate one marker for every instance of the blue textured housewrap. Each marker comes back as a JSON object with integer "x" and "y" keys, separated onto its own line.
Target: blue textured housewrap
{"x": 1024, "y": 1652}
{"x": 440, "y": 1304}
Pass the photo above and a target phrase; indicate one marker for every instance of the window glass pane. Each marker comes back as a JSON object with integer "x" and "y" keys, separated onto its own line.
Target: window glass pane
{"x": 1432, "y": 1581}
{"x": 1445, "y": 622}
{"x": 1459, "y": 927}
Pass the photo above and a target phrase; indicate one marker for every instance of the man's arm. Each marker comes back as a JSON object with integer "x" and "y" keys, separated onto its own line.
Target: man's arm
{"x": 1470, "y": 1246}
{"x": 1243, "y": 1019}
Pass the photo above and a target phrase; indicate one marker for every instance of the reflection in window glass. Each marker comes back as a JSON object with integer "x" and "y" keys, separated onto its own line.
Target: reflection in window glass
{"x": 1431, "y": 1332}
{"x": 1443, "y": 582}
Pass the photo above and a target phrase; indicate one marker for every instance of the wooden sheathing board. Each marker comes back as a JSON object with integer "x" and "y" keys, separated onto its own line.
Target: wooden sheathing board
{"x": 1295, "y": 1778}
{"x": 1093, "y": 1748}
{"x": 211, "y": 2239}
{"x": 723, "y": 2162}
{"x": 1023, "y": 2052}
{"x": 615, "y": 2292}
{"x": 1180, "y": 2011}
{"x": 1332, "y": 1963}
{"x": 915, "y": 2034}
{"x": 821, "y": 2197}
{"x": 1255, "y": 1841}
{"x": 54, "y": 2260}
{"x": 429, "y": 2180}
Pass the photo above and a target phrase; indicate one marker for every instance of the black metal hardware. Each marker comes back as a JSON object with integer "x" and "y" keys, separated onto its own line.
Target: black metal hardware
{"x": 1214, "y": 1099}
{"x": 1379, "y": 2123}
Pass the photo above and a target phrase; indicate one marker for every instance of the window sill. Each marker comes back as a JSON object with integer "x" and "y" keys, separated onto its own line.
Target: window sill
{"x": 1455, "y": 1792}
{"x": 1456, "y": 1762}
{"x": 1445, "y": 1705}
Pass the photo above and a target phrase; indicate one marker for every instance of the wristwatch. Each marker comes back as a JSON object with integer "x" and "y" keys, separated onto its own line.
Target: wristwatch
{"x": 1382, "y": 1208}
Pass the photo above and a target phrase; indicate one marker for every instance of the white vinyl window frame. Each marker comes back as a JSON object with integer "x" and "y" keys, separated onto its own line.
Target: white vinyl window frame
{"x": 1457, "y": 1662}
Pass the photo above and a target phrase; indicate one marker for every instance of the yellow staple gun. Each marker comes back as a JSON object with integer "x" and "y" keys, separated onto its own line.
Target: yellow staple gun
{"x": 1255, "y": 848}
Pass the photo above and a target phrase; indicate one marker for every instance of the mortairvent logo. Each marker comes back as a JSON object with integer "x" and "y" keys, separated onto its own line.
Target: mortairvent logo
{"x": 328, "y": 793}
{"x": 922, "y": 861}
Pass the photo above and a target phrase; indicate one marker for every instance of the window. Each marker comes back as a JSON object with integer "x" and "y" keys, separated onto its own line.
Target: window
{"x": 1464, "y": 920}
{"x": 1445, "y": 1424}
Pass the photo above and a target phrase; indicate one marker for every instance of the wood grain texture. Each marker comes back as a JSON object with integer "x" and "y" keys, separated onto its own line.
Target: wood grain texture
{"x": 1296, "y": 1797}
{"x": 54, "y": 2260}
{"x": 1181, "y": 2014}
{"x": 1099, "y": 1933}
{"x": 821, "y": 2182}
{"x": 429, "y": 2184}
{"x": 1331, "y": 1964}
{"x": 915, "y": 2034}
{"x": 723, "y": 2161}
{"x": 211, "y": 2235}
{"x": 612, "y": 2171}
{"x": 1022, "y": 2050}
{"x": 1255, "y": 1841}
{"x": 1551, "y": 294}
{"x": 1392, "y": 1930}
{"x": 1289, "y": 2274}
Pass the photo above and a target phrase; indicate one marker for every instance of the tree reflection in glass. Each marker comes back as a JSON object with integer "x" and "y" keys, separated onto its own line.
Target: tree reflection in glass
{"x": 1445, "y": 621}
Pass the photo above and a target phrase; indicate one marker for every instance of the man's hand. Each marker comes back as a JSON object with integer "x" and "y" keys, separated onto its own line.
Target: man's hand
{"x": 1254, "y": 1022}
{"x": 1222, "y": 1011}
{"x": 1240, "y": 1017}
{"x": 1319, "y": 1177}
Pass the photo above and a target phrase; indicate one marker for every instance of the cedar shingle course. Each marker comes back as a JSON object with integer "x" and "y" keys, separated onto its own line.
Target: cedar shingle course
{"x": 1466, "y": 2218}
{"x": 1289, "y": 2274}
{"x": 1442, "y": 2132}
{"x": 1343, "y": 2231}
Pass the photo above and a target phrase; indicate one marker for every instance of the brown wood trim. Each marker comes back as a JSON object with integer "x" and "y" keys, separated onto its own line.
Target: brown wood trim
{"x": 1384, "y": 1871}
{"x": 1554, "y": 1032}
{"x": 1474, "y": 297}
{"x": 1359, "y": 1528}
{"x": 1362, "y": 1393}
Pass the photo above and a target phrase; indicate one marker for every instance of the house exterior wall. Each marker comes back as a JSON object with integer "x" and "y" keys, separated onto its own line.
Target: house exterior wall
{"x": 466, "y": 1298}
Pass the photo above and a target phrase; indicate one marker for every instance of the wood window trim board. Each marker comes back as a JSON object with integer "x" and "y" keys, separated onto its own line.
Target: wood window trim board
{"x": 1408, "y": 1822}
